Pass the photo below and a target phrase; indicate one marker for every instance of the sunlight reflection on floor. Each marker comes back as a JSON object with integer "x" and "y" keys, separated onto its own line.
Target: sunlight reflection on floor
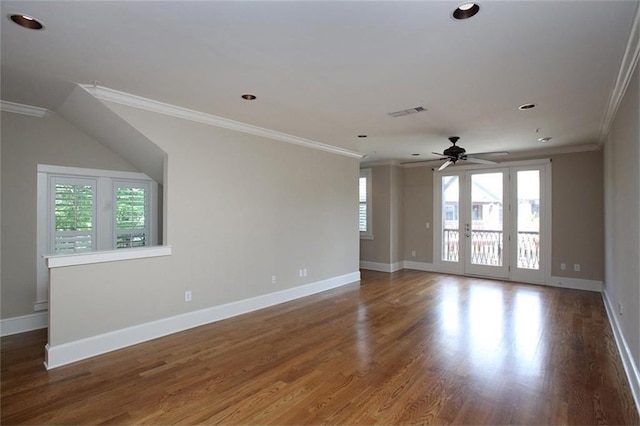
{"x": 491, "y": 330}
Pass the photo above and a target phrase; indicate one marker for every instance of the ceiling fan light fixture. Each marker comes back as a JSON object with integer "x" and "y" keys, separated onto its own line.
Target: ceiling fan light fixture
{"x": 26, "y": 21}
{"x": 465, "y": 11}
{"x": 525, "y": 107}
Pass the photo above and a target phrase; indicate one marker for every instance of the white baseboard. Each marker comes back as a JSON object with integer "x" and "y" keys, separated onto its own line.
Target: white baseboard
{"x": 630, "y": 367}
{"x": 381, "y": 267}
{"x": 576, "y": 283}
{"x": 419, "y": 266}
{"x": 59, "y": 355}
{"x": 40, "y": 306}
{"x": 15, "y": 325}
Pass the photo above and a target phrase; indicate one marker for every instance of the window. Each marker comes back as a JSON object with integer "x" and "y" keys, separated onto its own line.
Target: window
{"x": 89, "y": 213}
{"x": 131, "y": 217}
{"x": 365, "y": 204}
{"x": 476, "y": 212}
{"x": 74, "y": 215}
{"x": 451, "y": 211}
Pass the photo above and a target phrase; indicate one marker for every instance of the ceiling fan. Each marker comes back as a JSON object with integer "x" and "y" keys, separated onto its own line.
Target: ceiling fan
{"x": 457, "y": 153}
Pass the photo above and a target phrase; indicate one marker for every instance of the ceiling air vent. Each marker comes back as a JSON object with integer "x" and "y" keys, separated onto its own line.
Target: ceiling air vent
{"x": 407, "y": 111}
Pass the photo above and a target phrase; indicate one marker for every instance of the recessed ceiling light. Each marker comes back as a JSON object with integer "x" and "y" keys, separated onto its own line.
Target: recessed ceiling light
{"x": 525, "y": 107}
{"x": 466, "y": 11}
{"x": 26, "y": 21}
{"x": 545, "y": 139}
{"x": 249, "y": 97}
{"x": 362, "y": 136}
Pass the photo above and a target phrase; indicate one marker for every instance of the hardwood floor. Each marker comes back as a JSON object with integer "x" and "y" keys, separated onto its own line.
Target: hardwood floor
{"x": 408, "y": 347}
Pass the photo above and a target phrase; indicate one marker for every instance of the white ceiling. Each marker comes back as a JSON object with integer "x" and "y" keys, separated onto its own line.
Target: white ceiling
{"x": 329, "y": 71}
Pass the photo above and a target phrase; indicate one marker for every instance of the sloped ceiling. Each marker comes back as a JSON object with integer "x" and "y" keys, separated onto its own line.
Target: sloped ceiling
{"x": 330, "y": 71}
{"x": 95, "y": 119}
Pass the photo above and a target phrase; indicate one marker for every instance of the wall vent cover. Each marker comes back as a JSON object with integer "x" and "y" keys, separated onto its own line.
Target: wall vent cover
{"x": 407, "y": 111}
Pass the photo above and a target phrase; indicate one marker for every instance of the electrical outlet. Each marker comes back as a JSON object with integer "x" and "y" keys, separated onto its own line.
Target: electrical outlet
{"x": 273, "y": 279}
{"x": 187, "y": 296}
{"x": 563, "y": 266}
{"x": 413, "y": 253}
{"x": 427, "y": 225}
{"x": 576, "y": 267}
{"x": 304, "y": 272}
{"x": 620, "y": 308}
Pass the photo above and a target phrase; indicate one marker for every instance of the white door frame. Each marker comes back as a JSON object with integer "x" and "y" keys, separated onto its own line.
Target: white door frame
{"x": 466, "y": 219}
{"x": 541, "y": 276}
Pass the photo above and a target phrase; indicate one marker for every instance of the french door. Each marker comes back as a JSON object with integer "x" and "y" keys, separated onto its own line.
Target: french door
{"x": 494, "y": 222}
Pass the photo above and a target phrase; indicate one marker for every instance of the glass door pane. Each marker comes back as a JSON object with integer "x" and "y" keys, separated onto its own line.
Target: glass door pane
{"x": 450, "y": 218}
{"x": 528, "y": 219}
{"x": 486, "y": 224}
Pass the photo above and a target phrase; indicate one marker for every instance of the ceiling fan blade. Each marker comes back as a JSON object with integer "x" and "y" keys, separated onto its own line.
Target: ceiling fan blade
{"x": 438, "y": 153}
{"x": 479, "y": 160}
{"x": 491, "y": 154}
{"x": 445, "y": 165}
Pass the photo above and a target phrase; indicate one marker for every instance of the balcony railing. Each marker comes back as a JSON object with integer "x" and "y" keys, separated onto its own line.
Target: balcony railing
{"x": 529, "y": 250}
{"x": 487, "y": 249}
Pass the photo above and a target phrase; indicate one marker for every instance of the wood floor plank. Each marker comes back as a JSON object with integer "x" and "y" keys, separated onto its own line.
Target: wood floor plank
{"x": 403, "y": 348}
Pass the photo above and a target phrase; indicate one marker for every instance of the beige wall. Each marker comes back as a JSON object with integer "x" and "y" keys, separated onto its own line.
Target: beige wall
{"x": 397, "y": 215}
{"x": 578, "y": 215}
{"x": 27, "y": 142}
{"x": 240, "y": 209}
{"x": 388, "y": 240}
{"x": 622, "y": 195}
{"x": 418, "y": 211}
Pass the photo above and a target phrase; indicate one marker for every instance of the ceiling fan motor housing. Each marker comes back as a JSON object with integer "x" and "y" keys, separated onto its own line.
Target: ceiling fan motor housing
{"x": 454, "y": 151}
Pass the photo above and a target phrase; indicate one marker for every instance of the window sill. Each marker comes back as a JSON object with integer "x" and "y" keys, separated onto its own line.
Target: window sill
{"x": 61, "y": 260}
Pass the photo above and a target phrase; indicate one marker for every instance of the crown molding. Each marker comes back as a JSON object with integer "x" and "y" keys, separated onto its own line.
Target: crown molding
{"x": 16, "y": 108}
{"x": 377, "y": 163}
{"x": 115, "y": 96}
{"x": 627, "y": 67}
{"x": 559, "y": 150}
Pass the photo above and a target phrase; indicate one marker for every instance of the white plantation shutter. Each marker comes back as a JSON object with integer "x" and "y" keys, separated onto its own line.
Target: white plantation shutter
{"x": 364, "y": 212}
{"x": 363, "y": 205}
{"x": 131, "y": 221}
{"x": 74, "y": 215}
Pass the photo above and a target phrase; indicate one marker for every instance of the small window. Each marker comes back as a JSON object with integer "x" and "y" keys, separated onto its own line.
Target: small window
{"x": 451, "y": 211}
{"x": 74, "y": 215}
{"x": 84, "y": 210}
{"x": 476, "y": 212}
{"x": 132, "y": 214}
{"x": 365, "y": 204}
